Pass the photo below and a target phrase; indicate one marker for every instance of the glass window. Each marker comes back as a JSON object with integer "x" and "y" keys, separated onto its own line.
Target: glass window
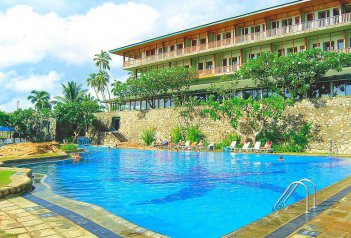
{"x": 348, "y": 88}
{"x": 281, "y": 52}
{"x": 235, "y": 61}
{"x": 255, "y": 94}
{"x": 127, "y": 106}
{"x": 245, "y": 31}
{"x": 161, "y": 103}
{"x": 251, "y": 56}
{"x": 257, "y": 28}
{"x": 218, "y": 37}
{"x": 228, "y": 35}
{"x": 319, "y": 90}
{"x": 167, "y": 102}
{"x": 143, "y": 105}
{"x": 224, "y": 62}
{"x": 340, "y": 44}
{"x": 137, "y": 105}
{"x": 302, "y": 48}
{"x": 209, "y": 65}
{"x": 310, "y": 17}
{"x": 316, "y": 45}
{"x": 339, "y": 88}
{"x": 275, "y": 24}
{"x": 200, "y": 66}
{"x": 193, "y": 42}
{"x": 327, "y": 46}
{"x": 336, "y": 12}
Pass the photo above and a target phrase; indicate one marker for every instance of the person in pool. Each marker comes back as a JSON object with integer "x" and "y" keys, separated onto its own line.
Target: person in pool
{"x": 76, "y": 157}
{"x": 281, "y": 158}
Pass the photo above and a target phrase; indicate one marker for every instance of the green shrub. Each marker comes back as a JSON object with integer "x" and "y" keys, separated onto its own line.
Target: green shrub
{"x": 194, "y": 134}
{"x": 148, "y": 136}
{"x": 226, "y": 142}
{"x": 178, "y": 133}
{"x": 69, "y": 147}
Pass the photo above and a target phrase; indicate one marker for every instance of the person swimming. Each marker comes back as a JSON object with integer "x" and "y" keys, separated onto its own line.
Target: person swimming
{"x": 281, "y": 158}
{"x": 76, "y": 157}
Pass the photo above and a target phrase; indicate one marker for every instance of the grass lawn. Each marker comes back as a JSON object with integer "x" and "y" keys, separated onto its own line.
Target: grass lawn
{"x": 4, "y": 158}
{"x": 5, "y": 177}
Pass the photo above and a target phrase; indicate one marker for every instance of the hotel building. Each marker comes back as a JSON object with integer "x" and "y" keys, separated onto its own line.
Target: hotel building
{"x": 221, "y": 47}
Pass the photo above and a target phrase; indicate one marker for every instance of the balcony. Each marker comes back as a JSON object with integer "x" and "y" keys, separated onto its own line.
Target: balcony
{"x": 217, "y": 71}
{"x": 240, "y": 40}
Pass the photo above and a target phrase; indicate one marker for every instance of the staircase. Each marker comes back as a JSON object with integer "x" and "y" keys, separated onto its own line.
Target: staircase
{"x": 102, "y": 127}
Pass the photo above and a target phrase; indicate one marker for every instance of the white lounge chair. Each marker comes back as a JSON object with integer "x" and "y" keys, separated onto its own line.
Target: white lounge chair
{"x": 210, "y": 146}
{"x": 246, "y": 147}
{"x": 8, "y": 141}
{"x": 23, "y": 140}
{"x": 17, "y": 140}
{"x": 232, "y": 146}
{"x": 257, "y": 146}
{"x": 1, "y": 143}
{"x": 186, "y": 145}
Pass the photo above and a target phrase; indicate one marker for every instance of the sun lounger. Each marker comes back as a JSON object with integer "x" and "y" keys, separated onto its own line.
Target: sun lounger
{"x": 17, "y": 140}
{"x": 267, "y": 147}
{"x": 23, "y": 140}
{"x": 186, "y": 145}
{"x": 257, "y": 146}
{"x": 245, "y": 148}
{"x": 232, "y": 146}
{"x": 1, "y": 143}
{"x": 8, "y": 141}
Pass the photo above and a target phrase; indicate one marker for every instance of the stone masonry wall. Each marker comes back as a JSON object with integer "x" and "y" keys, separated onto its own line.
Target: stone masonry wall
{"x": 331, "y": 115}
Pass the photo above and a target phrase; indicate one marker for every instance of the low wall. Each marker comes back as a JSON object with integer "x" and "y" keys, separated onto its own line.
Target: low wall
{"x": 21, "y": 182}
{"x": 331, "y": 115}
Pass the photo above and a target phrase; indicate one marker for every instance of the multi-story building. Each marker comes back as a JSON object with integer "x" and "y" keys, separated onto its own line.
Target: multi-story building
{"x": 221, "y": 47}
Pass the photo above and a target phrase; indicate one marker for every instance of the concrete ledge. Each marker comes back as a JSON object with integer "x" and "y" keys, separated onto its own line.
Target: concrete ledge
{"x": 21, "y": 182}
{"x": 14, "y": 162}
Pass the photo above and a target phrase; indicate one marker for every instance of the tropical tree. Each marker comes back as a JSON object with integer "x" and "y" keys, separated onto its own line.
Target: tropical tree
{"x": 40, "y": 99}
{"x": 72, "y": 92}
{"x": 102, "y": 61}
{"x": 248, "y": 117}
{"x": 91, "y": 82}
{"x": 4, "y": 119}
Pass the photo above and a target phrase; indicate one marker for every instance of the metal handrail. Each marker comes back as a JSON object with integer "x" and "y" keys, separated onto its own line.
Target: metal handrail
{"x": 296, "y": 183}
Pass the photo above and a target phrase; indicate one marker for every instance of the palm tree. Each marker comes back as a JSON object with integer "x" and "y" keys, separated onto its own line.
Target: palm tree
{"x": 92, "y": 82}
{"x": 40, "y": 99}
{"x": 102, "y": 61}
{"x": 72, "y": 92}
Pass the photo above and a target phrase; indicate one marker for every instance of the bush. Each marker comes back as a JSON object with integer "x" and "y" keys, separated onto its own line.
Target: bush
{"x": 226, "y": 142}
{"x": 178, "y": 133}
{"x": 69, "y": 147}
{"x": 148, "y": 136}
{"x": 194, "y": 134}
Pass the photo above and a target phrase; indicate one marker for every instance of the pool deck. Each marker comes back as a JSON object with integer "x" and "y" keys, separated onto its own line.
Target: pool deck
{"x": 331, "y": 218}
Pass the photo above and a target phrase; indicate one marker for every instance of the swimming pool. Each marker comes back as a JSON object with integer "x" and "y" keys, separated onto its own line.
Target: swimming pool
{"x": 187, "y": 194}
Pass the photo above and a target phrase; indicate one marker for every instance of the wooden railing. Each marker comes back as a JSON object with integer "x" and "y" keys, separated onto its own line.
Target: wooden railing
{"x": 218, "y": 71}
{"x": 229, "y": 42}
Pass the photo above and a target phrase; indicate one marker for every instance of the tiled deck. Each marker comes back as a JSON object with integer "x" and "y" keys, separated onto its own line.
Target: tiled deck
{"x": 24, "y": 219}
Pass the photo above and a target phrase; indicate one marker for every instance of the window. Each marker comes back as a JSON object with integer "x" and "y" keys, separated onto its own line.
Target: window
{"x": 347, "y": 8}
{"x": 224, "y": 62}
{"x": 292, "y": 50}
{"x": 297, "y": 20}
{"x": 251, "y": 56}
{"x": 310, "y": 17}
{"x": 200, "y": 66}
{"x": 193, "y": 42}
{"x": 147, "y": 53}
{"x": 257, "y": 28}
{"x": 281, "y": 52}
{"x": 275, "y": 24}
{"x": 235, "y": 61}
{"x": 143, "y": 105}
{"x": 203, "y": 41}
{"x": 327, "y": 46}
{"x": 348, "y": 88}
{"x": 180, "y": 46}
{"x": 258, "y": 55}
{"x": 218, "y": 37}
{"x": 245, "y": 31}
{"x": 339, "y": 88}
{"x": 167, "y": 102}
{"x": 137, "y": 105}
{"x": 209, "y": 65}
{"x": 340, "y": 44}
{"x": 302, "y": 48}
{"x": 161, "y": 103}
{"x": 172, "y": 48}
{"x": 255, "y": 94}
{"x": 319, "y": 90}
{"x": 316, "y": 45}
{"x": 323, "y": 14}
{"x": 336, "y": 12}
{"x": 228, "y": 35}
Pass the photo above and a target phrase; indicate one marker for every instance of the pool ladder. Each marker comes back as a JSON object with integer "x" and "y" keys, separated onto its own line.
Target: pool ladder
{"x": 291, "y": 189}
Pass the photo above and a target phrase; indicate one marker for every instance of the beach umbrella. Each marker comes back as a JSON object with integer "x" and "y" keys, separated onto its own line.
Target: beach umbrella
{"x": 6, "y": 128}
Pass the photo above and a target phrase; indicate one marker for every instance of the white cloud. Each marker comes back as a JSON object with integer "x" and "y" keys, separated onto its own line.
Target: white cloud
{"x": 28, "y": 36}
{"x": 20, "y": 86}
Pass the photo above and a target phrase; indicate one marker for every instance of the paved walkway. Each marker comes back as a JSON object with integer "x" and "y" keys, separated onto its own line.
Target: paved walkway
{"x": 24, "y": 219}
{"x": 334, "y": 222}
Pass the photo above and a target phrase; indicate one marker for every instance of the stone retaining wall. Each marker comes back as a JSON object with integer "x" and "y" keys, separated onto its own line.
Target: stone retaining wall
{"x": 21, "y": 182}
{"x": 331, "y": 115}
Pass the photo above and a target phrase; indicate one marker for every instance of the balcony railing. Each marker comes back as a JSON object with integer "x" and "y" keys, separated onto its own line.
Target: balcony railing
{"x": 218, "y": 71}
{"x": 230, "y": 42}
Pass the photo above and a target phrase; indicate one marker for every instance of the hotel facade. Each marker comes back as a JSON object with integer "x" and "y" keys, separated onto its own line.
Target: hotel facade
{"x": 222, "y": 47}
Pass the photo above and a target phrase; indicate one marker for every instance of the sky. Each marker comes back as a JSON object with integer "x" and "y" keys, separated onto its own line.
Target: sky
{"x": 44, "y": 43}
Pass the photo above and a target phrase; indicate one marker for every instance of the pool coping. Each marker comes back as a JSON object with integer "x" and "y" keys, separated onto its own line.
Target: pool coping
{"x": 21, "y": 182}
{"x": 94, "y": 214}
{"x": 286, "y": 221}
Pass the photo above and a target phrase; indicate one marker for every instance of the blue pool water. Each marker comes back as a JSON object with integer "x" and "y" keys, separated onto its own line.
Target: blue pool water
{"x": 187, "y": 194}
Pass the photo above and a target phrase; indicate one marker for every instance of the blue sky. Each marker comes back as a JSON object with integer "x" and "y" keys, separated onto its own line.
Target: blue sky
{"x": 44, "y": 43}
